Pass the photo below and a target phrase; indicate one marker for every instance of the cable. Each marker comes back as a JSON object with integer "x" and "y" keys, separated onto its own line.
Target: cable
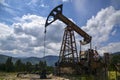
{"x": 44, "y": 44}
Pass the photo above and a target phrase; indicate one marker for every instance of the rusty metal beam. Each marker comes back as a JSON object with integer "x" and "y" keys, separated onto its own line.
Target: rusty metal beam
{"x": 56, "y": 13}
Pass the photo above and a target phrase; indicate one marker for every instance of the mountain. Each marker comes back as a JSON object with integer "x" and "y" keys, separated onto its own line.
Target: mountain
{"x": 3, "y": 58}
{"x": 49, "y": 59}
{"x": 115, "y": 58}
{"x": 116, "y": 53}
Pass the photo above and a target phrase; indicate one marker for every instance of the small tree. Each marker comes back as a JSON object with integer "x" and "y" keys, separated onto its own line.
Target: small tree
{"x": 9, "y": 67}
{"x": 42, "y": 65}
{"x": 28, "y": 66}
{"x": 19, "y": 66}
{"x": 2, "y": 67}
{"x": 115, "y": 59}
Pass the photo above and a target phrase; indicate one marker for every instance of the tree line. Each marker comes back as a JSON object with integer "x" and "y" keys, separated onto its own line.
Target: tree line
{"x": 19, "y": 66}
{"x": 115, "y": 62}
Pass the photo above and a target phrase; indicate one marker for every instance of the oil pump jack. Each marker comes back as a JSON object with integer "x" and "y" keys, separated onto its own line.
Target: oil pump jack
{"x": 78, "y": 63}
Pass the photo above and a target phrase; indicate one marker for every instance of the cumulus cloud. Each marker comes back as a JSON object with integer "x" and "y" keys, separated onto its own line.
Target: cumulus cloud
{"x": 26, "y": 36}
{"x": 5, "y": 30}
{"x": 100, "y": 26}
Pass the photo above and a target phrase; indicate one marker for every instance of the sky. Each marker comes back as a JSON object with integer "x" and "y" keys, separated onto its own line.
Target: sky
{"x": 22, "y": 25}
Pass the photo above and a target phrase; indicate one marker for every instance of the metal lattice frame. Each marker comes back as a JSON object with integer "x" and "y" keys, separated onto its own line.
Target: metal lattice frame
{"x": 68, "y": 52}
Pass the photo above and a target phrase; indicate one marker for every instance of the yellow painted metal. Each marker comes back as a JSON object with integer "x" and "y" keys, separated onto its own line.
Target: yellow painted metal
{"x": 112, "y": 75}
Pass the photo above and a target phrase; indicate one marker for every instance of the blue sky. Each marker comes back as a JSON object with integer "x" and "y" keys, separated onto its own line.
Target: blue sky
{"x": 22, "y": 25}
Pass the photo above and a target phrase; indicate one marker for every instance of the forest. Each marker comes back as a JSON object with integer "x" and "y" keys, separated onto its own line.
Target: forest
{"x": 19, "y": 66}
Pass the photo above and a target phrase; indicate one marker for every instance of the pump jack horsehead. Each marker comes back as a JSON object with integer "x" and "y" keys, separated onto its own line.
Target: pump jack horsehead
{"x": 56, "y": 13}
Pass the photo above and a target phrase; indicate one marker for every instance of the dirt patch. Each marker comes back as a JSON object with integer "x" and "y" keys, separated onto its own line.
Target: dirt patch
{"x": 13, "y": 76}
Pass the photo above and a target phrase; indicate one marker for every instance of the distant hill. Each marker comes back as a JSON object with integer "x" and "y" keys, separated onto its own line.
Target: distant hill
{"x": 115, "y": 58}
{"x": 3, "y": 58}
{"x": 49, "y": 59}
{"x": 116, "y": 53}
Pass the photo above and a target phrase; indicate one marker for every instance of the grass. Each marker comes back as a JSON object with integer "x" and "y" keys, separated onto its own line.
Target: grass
{"x": 79, "y": 77}
{"x": 7, "y": 76}
{"x": 1, "y": 78}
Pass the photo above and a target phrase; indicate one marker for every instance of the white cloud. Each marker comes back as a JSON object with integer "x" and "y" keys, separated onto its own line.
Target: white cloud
{"x": 100, "y": 26}
{"x": 26, "y": 37}
{"x": 54, "y": 46}
{"x": 4, "y": 29}
{"x": 44, "y": 6}
{"x": 65, "y": 0}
